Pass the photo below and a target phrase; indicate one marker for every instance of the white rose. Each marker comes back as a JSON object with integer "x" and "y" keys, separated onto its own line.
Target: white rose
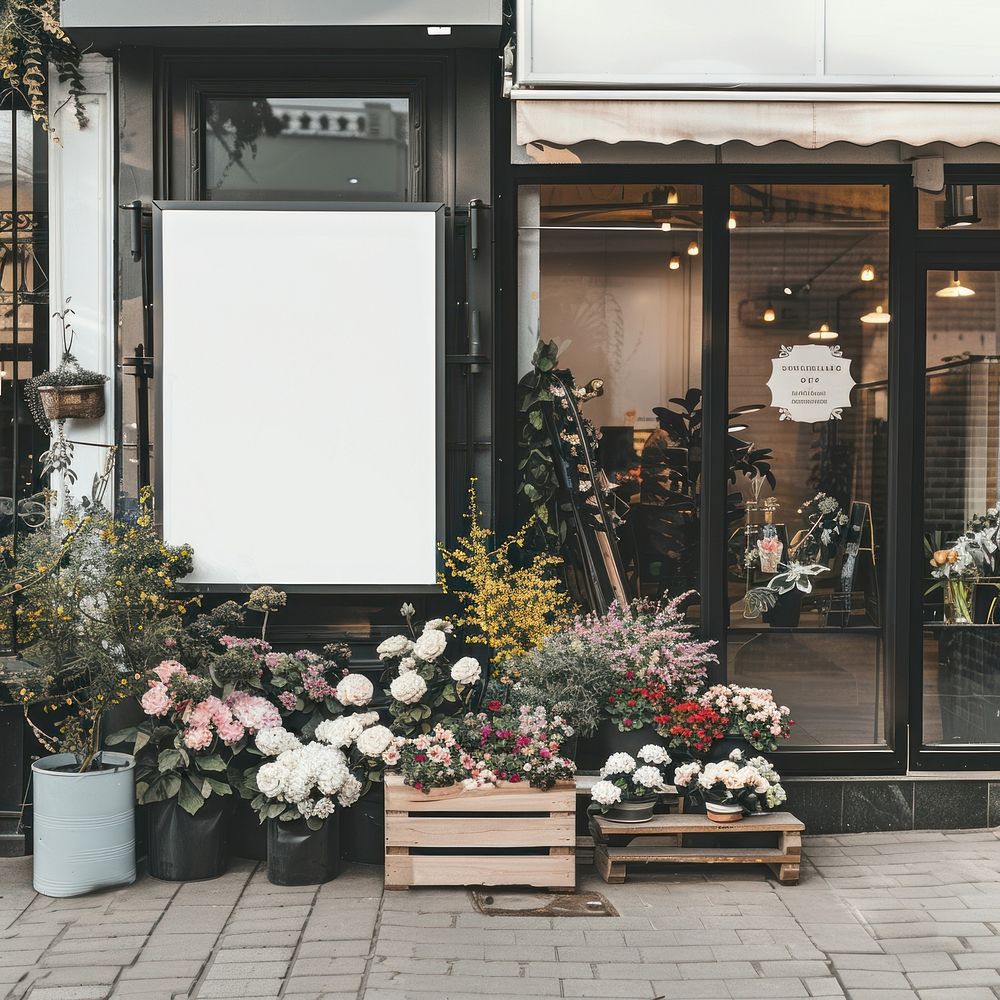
{"x": 350, "y": 792}
{"x": 605, "y": 793}
{"x": 406, "y": 664}
{"x": 438, "y": 625}
{"x": 355, "y": 689}
{"x": 269, "y": 779}
{"x": 409, "y": 688}
{"x": 430, "y": 646}
{"x": 372, "y": 742}
{"x": 340, "y": 732}
{"x": 651, "y": 753}
{"x": 466, "y": 671}
{"x": 395, "y": 645}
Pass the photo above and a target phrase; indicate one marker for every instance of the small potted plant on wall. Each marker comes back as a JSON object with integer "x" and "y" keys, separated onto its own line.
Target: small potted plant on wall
{"x": 69, "y": 390}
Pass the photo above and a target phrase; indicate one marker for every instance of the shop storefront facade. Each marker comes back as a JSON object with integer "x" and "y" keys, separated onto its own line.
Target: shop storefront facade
{"x": 781, "y": 259}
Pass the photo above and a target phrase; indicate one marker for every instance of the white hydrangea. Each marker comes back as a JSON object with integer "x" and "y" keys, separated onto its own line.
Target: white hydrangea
{"x": 409, "y": 688}
{"x": 274, "y": 740}
{"x": 270, "y": 779}
{"x": 395, "y": 645}
{"x": 466, "y": 671}
{"x": 375, "y": 741}
{"x": 323, "y": 807}
{"x": 340, "y": 732}
{"x": 355, "y": 689}
{"x": 654, "y": 754}
{"x": 406, "y": 664}
{"x": 430, "y": 646}
{"x": 618, "y": 763}
{"x": 648, "y": 776}
{"x": 605, "y": 793}
{"x": 349, "y": 792}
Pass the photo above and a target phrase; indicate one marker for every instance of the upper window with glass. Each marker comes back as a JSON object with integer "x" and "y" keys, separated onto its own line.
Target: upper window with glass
{"x": 307, "y": 149}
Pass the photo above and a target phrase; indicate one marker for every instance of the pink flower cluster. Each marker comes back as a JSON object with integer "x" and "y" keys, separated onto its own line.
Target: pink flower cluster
{"x": 650, "y": 636}
{"x": 230, "y": 719}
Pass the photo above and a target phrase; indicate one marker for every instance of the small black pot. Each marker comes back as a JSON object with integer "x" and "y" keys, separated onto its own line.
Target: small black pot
{"x": 297, "y": 855}
{"x": 186, "y": 848}
{"x": 362, "y": 828}
{"x": 611, "y": 740}
{"x": 247, "y": 835}
{"x": 787, "y": 611}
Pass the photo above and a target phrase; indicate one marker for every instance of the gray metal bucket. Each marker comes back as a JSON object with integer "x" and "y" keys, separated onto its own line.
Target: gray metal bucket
{"x": 84, "y": 825}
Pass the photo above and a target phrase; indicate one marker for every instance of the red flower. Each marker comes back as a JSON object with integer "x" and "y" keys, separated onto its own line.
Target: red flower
{"x": 420, "y": 757}
{"x": 627, "y": 723}
{"x": 494, "y": 705}
{"x": 514, "y": 778}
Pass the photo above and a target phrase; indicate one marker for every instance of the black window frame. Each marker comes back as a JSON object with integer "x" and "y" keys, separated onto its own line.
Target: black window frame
{"x": 901, "y": 583}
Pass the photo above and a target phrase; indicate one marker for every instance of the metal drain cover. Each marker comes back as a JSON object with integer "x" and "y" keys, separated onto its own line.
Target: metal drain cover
{"x": 542, "y": 904}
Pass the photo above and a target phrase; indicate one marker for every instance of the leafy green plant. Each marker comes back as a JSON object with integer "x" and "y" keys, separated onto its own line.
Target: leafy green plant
{"x": 31, "y": 39}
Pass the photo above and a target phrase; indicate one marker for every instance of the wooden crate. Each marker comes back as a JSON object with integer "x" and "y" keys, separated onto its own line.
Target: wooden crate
{"x": 457, "y": 821}
{"x": 611, "y": 857}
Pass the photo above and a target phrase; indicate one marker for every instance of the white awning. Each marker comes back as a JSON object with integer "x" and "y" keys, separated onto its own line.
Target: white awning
{"x": 916, "y": 120}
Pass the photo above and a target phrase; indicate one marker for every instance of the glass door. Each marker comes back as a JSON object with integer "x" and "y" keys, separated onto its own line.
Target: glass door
{"x": 960, "y": 526}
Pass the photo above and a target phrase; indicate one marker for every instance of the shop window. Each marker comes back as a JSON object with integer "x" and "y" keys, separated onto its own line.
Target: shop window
{"x": 961, "y": 601}
{"x": 961, "y": 206}
{"x": 24, "y": 310}
{"x": 808, "y": 398}
{"x": 612, "y": 274}
{"x": 283, "y": 149}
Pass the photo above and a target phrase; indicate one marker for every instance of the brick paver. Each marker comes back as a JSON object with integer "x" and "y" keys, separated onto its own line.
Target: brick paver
{"x": 904, "y": 916}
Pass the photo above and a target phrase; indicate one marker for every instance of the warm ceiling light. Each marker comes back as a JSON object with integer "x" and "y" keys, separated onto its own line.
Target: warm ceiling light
{"x": 867, "y": 272}
{"x": 961, "y": 206}
{"x": 732, "y": 221}
{"x": 665, "y": 226}
{"x": 879, "y": 317}
{"x": 787, "y": 289}
{"x": 672, "y": 196}
{"x": 675, "y": 262}
{"x": 693, "y": 250}
{"x": 955, "y": 289}
{"x": 769, "y": 315}
{"x": 824, "y": 333}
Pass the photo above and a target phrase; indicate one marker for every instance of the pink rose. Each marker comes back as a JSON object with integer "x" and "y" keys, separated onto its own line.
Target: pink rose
{"x": 197, "y": 738}
{"x": 156, "y": 701}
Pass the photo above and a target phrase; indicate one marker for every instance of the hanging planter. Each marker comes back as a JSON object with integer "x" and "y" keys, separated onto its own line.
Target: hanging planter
{"x": 69, "y": 391}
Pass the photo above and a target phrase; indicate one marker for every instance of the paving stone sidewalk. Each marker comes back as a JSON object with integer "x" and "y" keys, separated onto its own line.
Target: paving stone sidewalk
{"x": 908, "y": 916}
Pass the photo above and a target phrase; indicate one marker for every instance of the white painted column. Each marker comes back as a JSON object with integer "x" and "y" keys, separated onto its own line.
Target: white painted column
{"x": 81, "y": 249}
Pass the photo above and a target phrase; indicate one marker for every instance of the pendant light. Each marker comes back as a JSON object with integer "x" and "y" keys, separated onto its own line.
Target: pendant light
{"x": 961, "y": 206}
{"x": 672, "y": 196}
{"x": 878, "y": 318}
{"x": 665, "y": 226}
{"x": 769, "y": 315}
{"x": 675, "y": 262}
{"x": 824, "y": 333}
{"x": 693, "y": 249}
{"x": 867, "y": 272}
{"x": 955, "y": 289}
{"x": 732, "y": 221}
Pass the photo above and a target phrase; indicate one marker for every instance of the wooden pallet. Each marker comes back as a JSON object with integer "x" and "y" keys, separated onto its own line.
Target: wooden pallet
{"x": 612, "y": 860}
{"x": 456, "y": 821}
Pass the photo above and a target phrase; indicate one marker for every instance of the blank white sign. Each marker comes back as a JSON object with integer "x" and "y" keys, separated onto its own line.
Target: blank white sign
{"x": 300, "y": 393}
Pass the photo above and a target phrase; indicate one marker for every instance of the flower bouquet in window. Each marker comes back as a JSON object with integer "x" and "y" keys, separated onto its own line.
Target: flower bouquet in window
{"x": 780, "y": 602}
{"x": 629, "y": 787}
{"x": 827, "y": 523}
{"x": 971, "y": 558}
{"x": 732, "y": 788}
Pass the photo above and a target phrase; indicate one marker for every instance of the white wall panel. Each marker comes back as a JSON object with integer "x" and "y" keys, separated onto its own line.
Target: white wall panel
{"x": 300, "y": 372}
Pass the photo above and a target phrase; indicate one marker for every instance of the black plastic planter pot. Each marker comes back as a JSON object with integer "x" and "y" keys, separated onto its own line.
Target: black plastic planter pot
{"x": 247, "y": 835}
{"x": 362, "y": 828}
{"x": 297, "y": 855}
{"x": 610, "y": 740}
{"x": 721, "y": 749}
{"x": 186, "y": 848}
